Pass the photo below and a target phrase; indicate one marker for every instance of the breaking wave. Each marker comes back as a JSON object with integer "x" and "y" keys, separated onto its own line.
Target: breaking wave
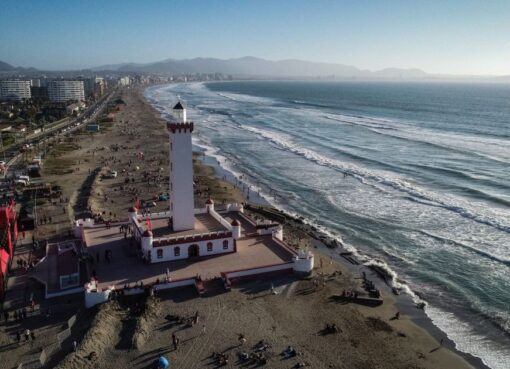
{"x": 363, "y": 175}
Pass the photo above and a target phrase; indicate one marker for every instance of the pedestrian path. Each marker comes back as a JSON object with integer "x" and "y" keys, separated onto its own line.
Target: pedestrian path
{"x": 18, "y": 293}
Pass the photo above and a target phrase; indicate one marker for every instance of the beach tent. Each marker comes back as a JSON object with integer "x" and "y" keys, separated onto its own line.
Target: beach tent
{"x": 162, "y": 363}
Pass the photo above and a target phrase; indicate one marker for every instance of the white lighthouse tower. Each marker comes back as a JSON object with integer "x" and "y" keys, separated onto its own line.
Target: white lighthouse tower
{"x": 181, "y": 170}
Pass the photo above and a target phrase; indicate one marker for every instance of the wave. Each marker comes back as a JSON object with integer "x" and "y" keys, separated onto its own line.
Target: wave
{"x": 411, "y": 133}
{"x": 306, "y": 103}
{"x": 467, "y": 340}
{"x": 467, "y": 151}
{"x": 365, "y": 123}
{"x": 483, "y": 253}
{"x": 227, "y": 97}
{"x": 467, "y": 336}
{"x": 453, "y": 172}
{"x": 364, "y": 175}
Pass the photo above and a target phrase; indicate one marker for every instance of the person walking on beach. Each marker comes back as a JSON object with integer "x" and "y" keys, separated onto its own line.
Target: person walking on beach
{"x": 175, "y": 341}
{"x": 27, "y": 334}
{"x": 18, "y": 336}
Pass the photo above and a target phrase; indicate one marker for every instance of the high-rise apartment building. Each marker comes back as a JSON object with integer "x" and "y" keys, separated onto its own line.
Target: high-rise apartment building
{"x": 63, "y": 90}
{"x": 15, "y": 89}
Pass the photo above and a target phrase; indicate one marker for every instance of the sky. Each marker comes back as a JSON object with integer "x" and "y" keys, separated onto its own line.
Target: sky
{"x": 449, "y": 36}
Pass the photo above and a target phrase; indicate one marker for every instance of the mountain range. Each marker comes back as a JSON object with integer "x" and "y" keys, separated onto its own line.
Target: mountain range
{"x": 255, "y": 67}
{"x": 252, "y": 67}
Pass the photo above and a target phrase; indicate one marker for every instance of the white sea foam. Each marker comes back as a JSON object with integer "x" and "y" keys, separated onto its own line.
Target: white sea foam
{"x": 383, "y": 181}
{"x": 285, "y": 142}
{"x": 467, "y": 340}
{"x": 485, "y": 147}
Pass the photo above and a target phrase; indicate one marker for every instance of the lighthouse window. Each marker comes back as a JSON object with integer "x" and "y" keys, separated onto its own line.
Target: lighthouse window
{"x": 209, "y": 246}
{"x": 225, "y": 245}
{"x": 160, "y": 254}
{"x": 177, "y": 251}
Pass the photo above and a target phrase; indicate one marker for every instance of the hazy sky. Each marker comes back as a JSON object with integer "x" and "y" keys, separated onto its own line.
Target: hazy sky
{"x": 449, "y": 36}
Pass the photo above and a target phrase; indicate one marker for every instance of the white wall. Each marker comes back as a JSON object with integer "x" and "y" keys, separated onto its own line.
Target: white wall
{"x": 254, "y": 271}
{"x": 175, "y": 284}
{"x": 181, "y": 180}
{"x": 220, "y": 219}
{"x": 284, "y": 245}
{"x": 304, "y": 262}
{"x": 87, "y": 223}
{"x": 94, "y": 298}
{"x": 146, "y": 244}
{"x": 168, "y": 251}
{"x": 235, "y": 207}
{"x": 161, "y": 214}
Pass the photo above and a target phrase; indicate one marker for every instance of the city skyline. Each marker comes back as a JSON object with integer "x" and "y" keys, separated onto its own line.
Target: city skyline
{"x": 459, "y": 37}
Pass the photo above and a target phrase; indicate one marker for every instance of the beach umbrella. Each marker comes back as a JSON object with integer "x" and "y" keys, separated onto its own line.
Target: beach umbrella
{"x": 163, "y": 362}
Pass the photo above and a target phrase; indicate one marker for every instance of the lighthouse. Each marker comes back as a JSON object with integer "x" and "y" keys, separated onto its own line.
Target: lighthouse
{"x": 181, "y": 170}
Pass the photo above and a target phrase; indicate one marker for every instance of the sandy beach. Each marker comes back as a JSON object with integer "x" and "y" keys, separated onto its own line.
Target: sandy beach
{"x": 135, "y": 331}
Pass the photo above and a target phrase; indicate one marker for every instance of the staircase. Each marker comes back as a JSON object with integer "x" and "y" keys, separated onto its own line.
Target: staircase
{"x": 213, "y": 287}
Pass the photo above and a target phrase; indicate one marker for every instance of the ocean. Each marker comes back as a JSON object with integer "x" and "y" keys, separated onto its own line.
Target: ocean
{"x": 414, "y": 177}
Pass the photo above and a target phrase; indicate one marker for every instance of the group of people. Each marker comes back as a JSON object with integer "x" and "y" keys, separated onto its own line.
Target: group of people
{"x": 21, "y": 263}
{"x": 20, "y": 314}
{"x": 289, "y": 352}
{"x": 331, "y": 328}
{"x": 28, "y": 335}
{"x": 257, "y": 357}
{"x": 124, "y": 228}
{"x": 220, "y": 358}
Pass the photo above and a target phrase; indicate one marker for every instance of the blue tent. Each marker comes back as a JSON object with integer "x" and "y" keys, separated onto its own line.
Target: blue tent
{"x": 163, "y": 362}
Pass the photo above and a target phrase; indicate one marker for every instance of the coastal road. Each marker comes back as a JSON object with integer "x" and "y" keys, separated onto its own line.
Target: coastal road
{"x": 13, "y": 154}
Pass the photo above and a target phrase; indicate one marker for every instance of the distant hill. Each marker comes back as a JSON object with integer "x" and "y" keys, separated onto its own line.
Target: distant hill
{"x": 256, "y": 67}
{"x": 4, "y": 67}
{"x": 252, "y": 67}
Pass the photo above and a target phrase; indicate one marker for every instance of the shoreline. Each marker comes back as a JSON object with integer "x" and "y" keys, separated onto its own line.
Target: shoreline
{"x": 404, "y": 302}
{"x": 370, "y": 337}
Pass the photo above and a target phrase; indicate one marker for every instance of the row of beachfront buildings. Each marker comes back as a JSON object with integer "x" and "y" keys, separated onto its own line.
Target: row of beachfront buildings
{"x": 55, "y": 90}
